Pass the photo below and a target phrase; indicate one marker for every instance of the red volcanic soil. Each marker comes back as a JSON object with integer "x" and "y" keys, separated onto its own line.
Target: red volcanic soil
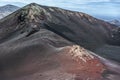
{"x": 78, "y": 61}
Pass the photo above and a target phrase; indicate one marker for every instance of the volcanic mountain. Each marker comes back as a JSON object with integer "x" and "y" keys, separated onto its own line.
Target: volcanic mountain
{"x": 7, "y": 9}
{"x": 49, "y": 43}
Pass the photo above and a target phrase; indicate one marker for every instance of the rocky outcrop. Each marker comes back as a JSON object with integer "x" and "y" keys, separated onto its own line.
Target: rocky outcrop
{"x": 80, "y": 53}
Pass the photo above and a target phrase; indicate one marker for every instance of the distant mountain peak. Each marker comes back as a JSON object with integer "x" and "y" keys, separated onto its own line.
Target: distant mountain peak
{"x": 9, "y": 6}
{"x": 115, "y": 22}
{"x": 7, "y": 9}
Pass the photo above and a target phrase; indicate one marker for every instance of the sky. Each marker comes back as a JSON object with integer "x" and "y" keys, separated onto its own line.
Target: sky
{"x": 92, "y": 7}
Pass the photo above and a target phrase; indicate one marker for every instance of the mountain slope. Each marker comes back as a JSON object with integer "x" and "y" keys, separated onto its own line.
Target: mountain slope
{"x": 39, "y": 43}
{"x": 7, "y": 9}
{"x": 77, "y": 27}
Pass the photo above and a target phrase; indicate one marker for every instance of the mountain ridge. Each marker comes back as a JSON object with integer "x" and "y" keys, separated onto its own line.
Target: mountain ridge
{"x": 86, "y": 19}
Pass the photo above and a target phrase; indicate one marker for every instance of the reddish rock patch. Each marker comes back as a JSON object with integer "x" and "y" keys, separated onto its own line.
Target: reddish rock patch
{"x": 88, "y": 69}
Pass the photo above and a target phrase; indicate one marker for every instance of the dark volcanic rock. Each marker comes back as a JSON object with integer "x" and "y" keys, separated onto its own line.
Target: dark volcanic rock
{"x": 115, "y": 37}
